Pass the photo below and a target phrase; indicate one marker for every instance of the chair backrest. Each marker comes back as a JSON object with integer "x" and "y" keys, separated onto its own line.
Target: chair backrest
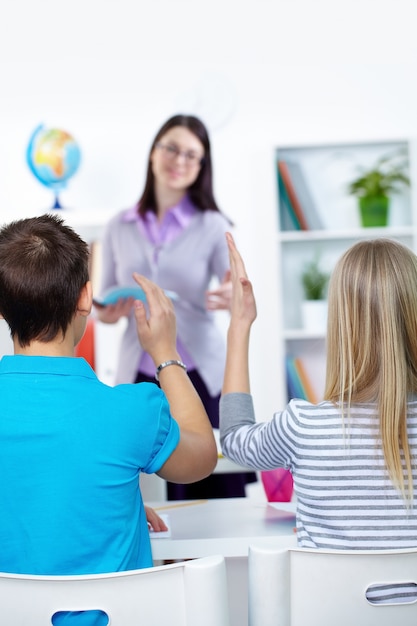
{"x": 303, "y": 587}
{"x": 191, "y": 593}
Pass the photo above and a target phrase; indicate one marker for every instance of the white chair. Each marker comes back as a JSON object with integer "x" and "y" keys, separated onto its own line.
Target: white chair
{"x": 302, "y": 587}
{"x": 191, "y": 593}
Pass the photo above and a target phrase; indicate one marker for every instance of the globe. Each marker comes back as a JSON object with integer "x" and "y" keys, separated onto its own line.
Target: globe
{"x": 53, "y": 157}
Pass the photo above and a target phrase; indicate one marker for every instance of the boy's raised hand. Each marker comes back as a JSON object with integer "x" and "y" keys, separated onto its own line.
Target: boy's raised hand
{"x": 156, "y": 330}
{"x": 195, "y": 456}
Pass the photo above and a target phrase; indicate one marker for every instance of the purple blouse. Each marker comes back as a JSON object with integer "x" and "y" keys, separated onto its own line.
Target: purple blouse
{"x": 183, "y": 254}
{"x": 158, "y": 233}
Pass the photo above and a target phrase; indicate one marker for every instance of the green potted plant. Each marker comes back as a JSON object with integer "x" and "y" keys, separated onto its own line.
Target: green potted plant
{"x": 374, "y": 186}
{"x": 314, "y": 306}
{"x": 314, "y": 280}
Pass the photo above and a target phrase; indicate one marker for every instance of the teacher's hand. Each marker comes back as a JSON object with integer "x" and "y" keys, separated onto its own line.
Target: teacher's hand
{"x": 220, "y": 299}
{"x": 111, "y": 313}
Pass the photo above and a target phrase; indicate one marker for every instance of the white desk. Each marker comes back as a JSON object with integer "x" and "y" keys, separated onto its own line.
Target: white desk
{"x": 223, "y": 526}
{"x": 220, "y": 526}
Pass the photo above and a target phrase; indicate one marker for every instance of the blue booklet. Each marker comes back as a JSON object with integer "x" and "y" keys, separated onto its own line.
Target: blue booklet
{"x": 112, "y": 295}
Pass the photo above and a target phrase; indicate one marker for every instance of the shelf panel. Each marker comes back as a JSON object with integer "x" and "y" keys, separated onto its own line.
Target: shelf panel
{"x": 352, "y": 233}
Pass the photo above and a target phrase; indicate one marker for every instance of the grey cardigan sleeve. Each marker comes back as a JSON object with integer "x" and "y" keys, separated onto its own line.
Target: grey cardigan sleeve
{"x": 236, "y": 409}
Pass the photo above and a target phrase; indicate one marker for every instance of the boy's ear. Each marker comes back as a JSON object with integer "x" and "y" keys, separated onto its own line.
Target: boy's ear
{"x": 85, "y": 300}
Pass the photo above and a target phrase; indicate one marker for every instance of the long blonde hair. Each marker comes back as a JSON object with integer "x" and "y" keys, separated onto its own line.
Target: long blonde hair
{"x": 372, "y": 343}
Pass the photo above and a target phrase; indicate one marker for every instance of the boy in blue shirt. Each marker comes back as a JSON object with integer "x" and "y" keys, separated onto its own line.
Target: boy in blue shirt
{"x": 72, "y": 447}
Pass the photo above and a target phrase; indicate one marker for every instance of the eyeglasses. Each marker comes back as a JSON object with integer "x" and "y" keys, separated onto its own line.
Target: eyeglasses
{"x": 172, "y": 152}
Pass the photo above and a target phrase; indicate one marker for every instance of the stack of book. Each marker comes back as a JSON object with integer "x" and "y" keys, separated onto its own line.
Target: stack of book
{"x": 297, "y": 207}
{"x": 298, "y": 383}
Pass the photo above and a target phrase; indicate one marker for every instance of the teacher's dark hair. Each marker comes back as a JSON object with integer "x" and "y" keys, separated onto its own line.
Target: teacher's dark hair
{"x": 201, "y": 191}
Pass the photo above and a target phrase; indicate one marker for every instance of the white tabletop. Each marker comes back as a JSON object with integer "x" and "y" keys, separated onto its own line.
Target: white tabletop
{"x": 221, "y": 526}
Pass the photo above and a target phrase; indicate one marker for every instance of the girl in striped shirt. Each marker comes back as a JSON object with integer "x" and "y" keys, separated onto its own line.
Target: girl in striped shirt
{"x": 353, "y": 457}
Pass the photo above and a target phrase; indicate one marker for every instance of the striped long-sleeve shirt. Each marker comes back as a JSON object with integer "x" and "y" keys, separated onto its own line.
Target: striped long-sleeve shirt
{"x": 345, "y": 498}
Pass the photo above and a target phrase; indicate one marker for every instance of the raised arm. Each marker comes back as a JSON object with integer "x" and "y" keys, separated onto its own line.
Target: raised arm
{"x": 196, "y": 454}
{"x": 242, "y": 316}
{"x": 236, "y": 407}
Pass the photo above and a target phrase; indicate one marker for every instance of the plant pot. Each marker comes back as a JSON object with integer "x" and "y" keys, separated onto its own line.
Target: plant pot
{"x": 374, "y": 211}
{"x": 314, "y": 315}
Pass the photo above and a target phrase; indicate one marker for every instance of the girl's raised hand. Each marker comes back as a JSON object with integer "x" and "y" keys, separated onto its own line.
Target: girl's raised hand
{"x": 243, "y": 304}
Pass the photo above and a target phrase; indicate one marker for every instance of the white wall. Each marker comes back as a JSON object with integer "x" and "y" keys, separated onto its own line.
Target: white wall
{"x": 261, "y": 73}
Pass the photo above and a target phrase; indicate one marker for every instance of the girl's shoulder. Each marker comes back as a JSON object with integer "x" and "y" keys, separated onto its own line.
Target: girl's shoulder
{"x": 298, "y": 407}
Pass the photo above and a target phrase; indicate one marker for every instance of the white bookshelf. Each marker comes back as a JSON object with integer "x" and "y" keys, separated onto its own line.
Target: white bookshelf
{"x": 327, "y": 170}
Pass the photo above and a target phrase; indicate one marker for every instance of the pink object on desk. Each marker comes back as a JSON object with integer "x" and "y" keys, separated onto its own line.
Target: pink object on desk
{"x": 278, "y": 485}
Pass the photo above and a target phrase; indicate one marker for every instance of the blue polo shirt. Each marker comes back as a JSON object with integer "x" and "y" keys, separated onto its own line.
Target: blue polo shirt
{"x": 72, "y": 450}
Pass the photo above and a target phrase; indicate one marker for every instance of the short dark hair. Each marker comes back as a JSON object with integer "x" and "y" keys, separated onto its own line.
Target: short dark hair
{"x": 201, "y": 191}
{"x": 43, "y": 268}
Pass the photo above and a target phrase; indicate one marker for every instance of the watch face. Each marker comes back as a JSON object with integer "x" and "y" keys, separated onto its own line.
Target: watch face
{"x": 213, "y": 98}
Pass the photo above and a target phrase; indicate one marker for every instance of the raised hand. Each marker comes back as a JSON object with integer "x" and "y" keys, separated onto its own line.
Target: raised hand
{"x": 243, "y": 314}
{"x": 243, "y": 304}
{"x": 156, "y": 327}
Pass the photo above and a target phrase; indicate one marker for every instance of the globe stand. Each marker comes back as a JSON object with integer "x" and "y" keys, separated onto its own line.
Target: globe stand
{"x": 57, "y": 204}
